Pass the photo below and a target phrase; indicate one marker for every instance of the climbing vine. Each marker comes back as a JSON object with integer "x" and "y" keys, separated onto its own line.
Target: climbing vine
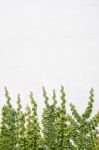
{"x": 58, "y": 130}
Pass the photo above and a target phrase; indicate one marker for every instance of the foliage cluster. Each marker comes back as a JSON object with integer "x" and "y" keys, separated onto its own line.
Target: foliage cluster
{"x": 21, "y": 130}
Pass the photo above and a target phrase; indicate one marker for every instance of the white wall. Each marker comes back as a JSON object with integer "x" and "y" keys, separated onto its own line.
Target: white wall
{"x": 50, "y": 43}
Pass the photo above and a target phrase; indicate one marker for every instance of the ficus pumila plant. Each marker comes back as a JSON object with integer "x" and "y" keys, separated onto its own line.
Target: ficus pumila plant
{"x": 58, "y": 130}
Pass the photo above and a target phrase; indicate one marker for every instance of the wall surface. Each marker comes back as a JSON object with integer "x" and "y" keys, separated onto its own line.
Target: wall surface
{"x": 50, "y": 42}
